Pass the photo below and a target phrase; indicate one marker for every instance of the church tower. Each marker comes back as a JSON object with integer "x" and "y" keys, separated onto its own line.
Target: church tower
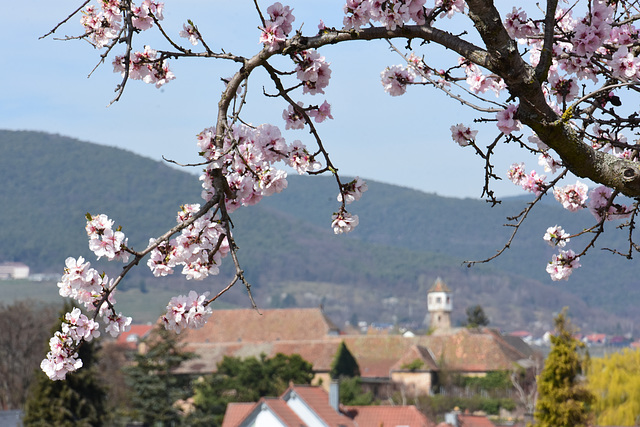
{"x": 439, "y": 306}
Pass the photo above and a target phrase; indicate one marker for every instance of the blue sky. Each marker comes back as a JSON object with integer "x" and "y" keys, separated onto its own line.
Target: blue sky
{"x": 400, "y": 140}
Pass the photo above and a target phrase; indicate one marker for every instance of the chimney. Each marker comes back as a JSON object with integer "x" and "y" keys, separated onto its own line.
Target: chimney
{"x": 452, "y": 417}
{"x": 334, "y": 394}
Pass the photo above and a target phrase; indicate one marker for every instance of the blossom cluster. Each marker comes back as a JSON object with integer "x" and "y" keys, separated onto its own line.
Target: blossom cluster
{"x": 572, "y": 196}
{"x": 104, "y": 241}
{"x": 478, "y": 82}
{"x": 562, "y": 265}
{"x": 531, "y": 181}
{"x": 199, "y": 248}
{"x": 313, "y": 71}
{"x": 556, "y": 236}
{"x": 62, "y": 357}
{"x": 104, "y": 25}
{"x": 396, "y": 78}
{"x": 278, "y": 26}
{"x": 145, "y": 66}
{"x": 391, "y": 14}
{"x": 187, "y": 311}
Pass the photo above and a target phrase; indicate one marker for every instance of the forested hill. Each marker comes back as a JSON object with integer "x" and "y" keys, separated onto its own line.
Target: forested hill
{"x": 380, "y": 272}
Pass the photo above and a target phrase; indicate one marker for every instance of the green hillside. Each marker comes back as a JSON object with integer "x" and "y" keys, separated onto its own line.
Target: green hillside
{"x": 379, "y": 272}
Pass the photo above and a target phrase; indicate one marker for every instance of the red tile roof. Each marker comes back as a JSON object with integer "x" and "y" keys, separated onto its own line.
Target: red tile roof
{"x": 318, "y": 400}
{"x": 236, "y": 412}
{"x": 439, "y": 286}
{"x": 387, "y": 416}
{"x": 283, "y": 412}
{"x": 248, "y": 325}
{"x": 244, "y": 333}
{"x": 474, "y": 421}
{"x": 131, "y": 338}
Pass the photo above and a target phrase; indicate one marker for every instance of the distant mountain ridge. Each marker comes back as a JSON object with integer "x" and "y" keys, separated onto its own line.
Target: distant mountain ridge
{"x": 405, "y": 240}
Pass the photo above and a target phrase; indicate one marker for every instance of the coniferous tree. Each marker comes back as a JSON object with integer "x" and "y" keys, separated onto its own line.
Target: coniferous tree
{"x": 563, "y": 397}
{"x": 154, "y": 386}
{"x": 476, "y": 317}
{"x": 344, "y": 364}
{"x": 77, "y": 401}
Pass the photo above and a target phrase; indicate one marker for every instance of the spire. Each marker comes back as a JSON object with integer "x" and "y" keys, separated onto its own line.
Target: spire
{"x": 439, "y": 286}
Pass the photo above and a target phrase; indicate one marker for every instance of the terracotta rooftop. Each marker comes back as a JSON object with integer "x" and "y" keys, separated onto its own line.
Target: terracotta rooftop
{"x": 439, "y": 286}
{"x": 474, "y": 421}
{"x": 248, "y": 325}
{"x": 318, "y": 399}
{"x": 245, "y": 333}
{"x": 387, "y": 416}
{"x": 236, "y": 412}
{"x": 420, "y": 353}
{"x": 131, "y": 338}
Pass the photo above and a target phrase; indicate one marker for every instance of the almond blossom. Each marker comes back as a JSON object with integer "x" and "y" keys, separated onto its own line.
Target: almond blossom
{"x": 507, "y": 123}
{"x": 463, "y": 135}
{"x": 353, "y": 190}
{"x": 187, "y": 311}
{"x": 395, "y": 79}
{"x": 562, "y": 265}
{"x": 572, "y": 197}
{"x": 344, "y": 222}
{"x": 556, "y": 236}
{"x": 599, "y": 199}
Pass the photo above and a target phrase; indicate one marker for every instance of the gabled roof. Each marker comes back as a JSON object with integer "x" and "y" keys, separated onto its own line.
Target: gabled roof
{"x": 236, "y": 412}
{"x": 480, "y": 350}
{"x": 416, "y": 352}
{"x": 387, "y": 416}
{"x": 249, "y": 325}
{"x": 439, "y": 286}
{"x": 317, "y": 399}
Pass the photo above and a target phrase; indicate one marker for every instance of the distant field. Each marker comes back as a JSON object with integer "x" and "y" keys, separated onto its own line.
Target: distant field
{"x": 143, "y": 307}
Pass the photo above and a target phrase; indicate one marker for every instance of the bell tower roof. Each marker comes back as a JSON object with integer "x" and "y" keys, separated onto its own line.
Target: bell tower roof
{"x": 439, "y": 286}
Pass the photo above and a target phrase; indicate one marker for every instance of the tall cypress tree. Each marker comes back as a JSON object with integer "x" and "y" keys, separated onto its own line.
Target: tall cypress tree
{"x": 344, "y": 364}
{"x": 79, "y": 400}
{"x": 564, "y": 399}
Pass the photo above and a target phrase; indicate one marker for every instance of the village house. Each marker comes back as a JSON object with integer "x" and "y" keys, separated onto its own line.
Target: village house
{"x": 387, "y": 362}
{"x": 312, "y": 406}
{"x": 13, "y": 270}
